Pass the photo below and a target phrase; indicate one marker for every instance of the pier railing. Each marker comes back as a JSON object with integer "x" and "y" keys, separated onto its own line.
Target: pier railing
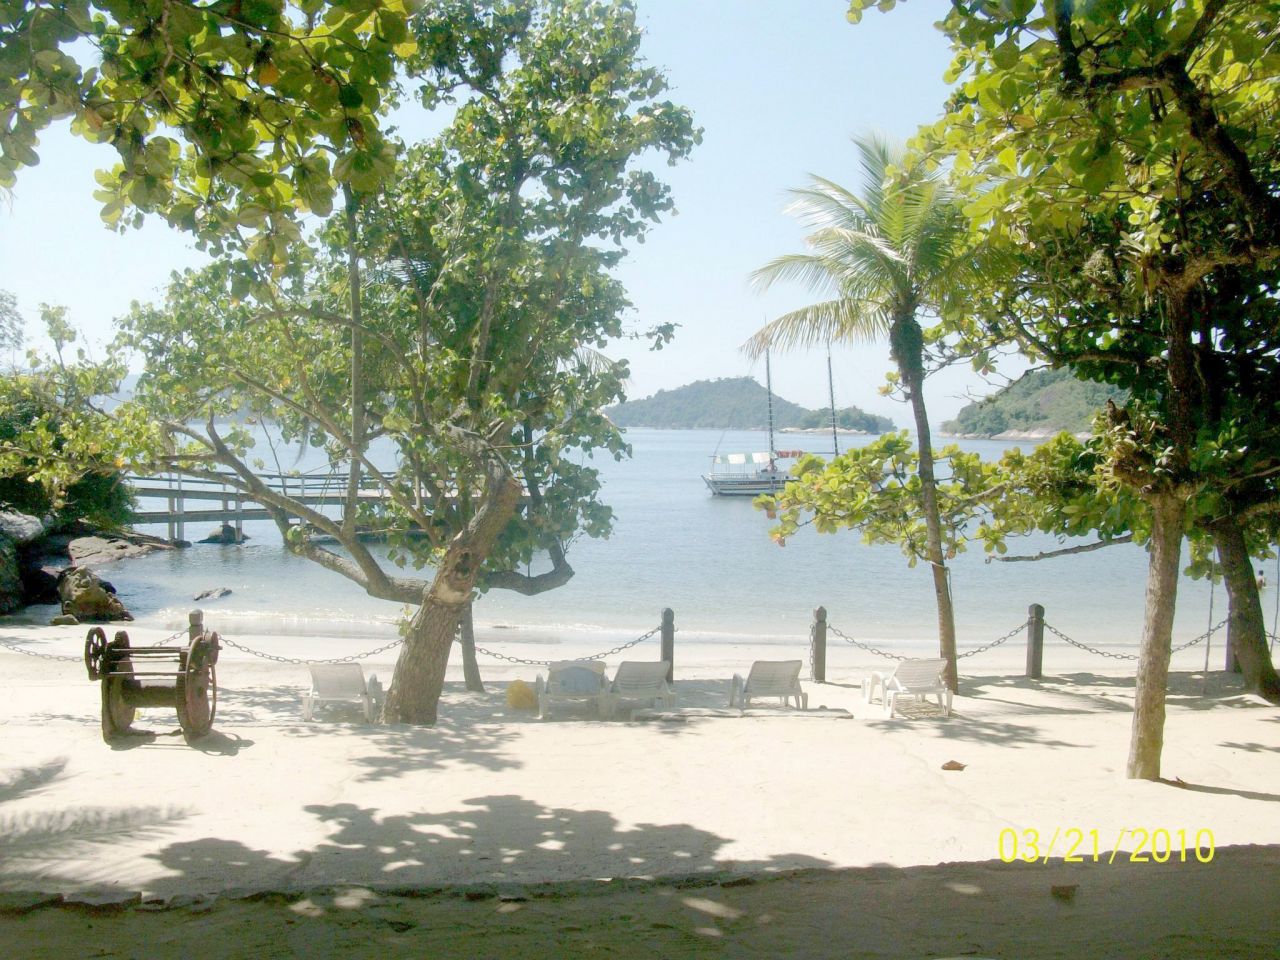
{"x": 223, "y": 499}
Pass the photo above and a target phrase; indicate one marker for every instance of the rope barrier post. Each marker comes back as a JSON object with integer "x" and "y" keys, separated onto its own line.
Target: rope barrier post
{"x": 1035, "y": 642}
{"x": 669, "y": 642}
{"x": 195, "y": 625}
{"x": 818, "y": 645}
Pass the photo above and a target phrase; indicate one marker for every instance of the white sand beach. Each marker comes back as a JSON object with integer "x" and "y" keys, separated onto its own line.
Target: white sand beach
{"x": 707, "y": 832}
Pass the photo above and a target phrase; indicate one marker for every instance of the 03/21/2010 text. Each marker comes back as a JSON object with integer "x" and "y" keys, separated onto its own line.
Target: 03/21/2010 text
{"x": 1132, "y": 845}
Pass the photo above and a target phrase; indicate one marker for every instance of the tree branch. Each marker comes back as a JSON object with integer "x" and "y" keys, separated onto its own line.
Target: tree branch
{"x": 1065, "y": 551}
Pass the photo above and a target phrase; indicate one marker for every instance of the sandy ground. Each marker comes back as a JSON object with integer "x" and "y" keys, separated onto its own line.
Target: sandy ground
{"x": 834, "y": 832}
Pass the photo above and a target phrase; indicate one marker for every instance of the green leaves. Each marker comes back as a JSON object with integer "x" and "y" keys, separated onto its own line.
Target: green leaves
{"x": 254, "y": 91}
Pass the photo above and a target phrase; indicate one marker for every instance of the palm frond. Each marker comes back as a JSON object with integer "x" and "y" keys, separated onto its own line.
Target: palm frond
{"x": 833, "y": 321}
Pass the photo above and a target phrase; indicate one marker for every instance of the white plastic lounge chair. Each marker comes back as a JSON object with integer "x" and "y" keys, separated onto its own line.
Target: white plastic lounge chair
{"x": 573, "y": 681}
{"x": 911, "y": 678}
{"x": 769, "y": 678}
{"x": 341, "y": 681}
{"x": 643, "y": 681}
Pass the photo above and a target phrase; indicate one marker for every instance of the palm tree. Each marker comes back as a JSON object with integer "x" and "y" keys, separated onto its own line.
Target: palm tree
{"x": 886, "y": 257}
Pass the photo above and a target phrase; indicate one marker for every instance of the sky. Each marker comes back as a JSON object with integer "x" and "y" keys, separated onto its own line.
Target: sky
{"x": 779, "y": 90}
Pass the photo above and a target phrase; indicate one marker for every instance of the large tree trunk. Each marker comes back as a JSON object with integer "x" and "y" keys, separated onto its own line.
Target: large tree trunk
{"x": 467, "y": 640}
{"x": 414, "y": 695}
{"x": 906, "y": 341}
{"x": 1168, "y": 513}
{"x": 1246, "y": 628}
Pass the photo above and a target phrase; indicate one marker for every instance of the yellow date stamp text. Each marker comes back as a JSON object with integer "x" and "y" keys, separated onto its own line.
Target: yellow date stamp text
{"x": 1130, "y": 845}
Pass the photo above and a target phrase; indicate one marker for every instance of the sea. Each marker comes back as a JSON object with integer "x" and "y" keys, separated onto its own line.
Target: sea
{"x": 709, "y": 559}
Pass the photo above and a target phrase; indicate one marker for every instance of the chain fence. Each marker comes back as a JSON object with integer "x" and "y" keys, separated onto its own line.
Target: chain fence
{"x": 352, "y": 658}
{"x": 1016, "y": 631}
{"x": 546, "y": 663}
{"x": 1113, "y": 655}
{"x": 15, "y": 647}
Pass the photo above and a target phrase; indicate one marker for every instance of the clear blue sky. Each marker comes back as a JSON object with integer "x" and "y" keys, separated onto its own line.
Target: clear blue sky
{"x": 779, "y": 89}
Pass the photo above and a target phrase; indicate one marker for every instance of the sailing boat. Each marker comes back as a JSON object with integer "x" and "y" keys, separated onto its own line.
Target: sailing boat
{"x": 750, "y": 474}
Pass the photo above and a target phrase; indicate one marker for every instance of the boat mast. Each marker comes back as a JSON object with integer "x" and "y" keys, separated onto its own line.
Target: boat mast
{"x": 768, "y": 385}
{"x": 831, "y": 392}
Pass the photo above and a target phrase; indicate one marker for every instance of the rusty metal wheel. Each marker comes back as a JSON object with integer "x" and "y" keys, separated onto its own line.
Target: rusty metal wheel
{"x": 117, "y": 716}
{"x": 116, "y": 670}
{"x": 196, "y": 691}
{"x": 95, "y": 645}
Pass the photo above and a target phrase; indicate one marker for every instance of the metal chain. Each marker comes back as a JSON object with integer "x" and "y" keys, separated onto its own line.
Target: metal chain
{"x": 11, "y": 645}
{"x": 893, "y": 656}
{"x": 863, "y": 646}
{"x": 1084, "y": 646}
{"x": 994, "y": 643}
{"x": 1133, "y": 656}
{"x": 546, "y": 663}
{"x": 1204, "y": 636}
{"x": 299, "y": 660}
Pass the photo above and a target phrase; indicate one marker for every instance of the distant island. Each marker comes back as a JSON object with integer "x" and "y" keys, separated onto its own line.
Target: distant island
{"x": 735, "y": 403}
{"x": 1038, "y": 404}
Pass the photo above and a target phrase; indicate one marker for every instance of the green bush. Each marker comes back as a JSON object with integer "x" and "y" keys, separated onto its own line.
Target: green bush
{"x": 100, "y": 497}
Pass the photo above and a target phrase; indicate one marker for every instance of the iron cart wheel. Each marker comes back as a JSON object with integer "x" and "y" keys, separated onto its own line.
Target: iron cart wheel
{"x": 95, "y": 645}
{"x": 117, "y": 674}
{"x": 196, "y": 690}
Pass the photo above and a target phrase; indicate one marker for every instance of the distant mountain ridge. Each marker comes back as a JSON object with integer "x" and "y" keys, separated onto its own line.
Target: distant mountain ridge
{"x": 1040, "y": 403}
{"x": 734, "y": 403}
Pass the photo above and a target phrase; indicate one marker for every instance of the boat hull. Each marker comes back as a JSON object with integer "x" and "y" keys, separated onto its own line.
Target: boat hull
{"x": 743, "y": 486}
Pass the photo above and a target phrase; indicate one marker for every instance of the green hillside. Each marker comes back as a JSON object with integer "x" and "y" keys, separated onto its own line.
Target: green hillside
{"x": 1041, "y": 401}
{"x": 735, "y": 403}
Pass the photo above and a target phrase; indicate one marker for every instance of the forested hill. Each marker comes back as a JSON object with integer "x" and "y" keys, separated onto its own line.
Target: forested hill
{"x": 736, "y": 403}
{"x": 1042, "y": 402}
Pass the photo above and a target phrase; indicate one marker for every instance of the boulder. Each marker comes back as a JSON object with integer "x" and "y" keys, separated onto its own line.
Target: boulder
{"x": 86, "y": 597}
{"x": 217, "y": 593}
{"x": 226, "y": 534}
{"x": 64, "y": 620}
{"x": 20, "y": 528}
{"x": 39, "y": 581}
{"x": 104, "y": 549}
{"x": 10, "y": 576}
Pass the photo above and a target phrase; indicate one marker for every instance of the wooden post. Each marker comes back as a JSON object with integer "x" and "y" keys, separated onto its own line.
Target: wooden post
{"x": 668, "y": 651}
{"x": 182, "y": 510}
{"x": 818, "y": 645}
{"x": 1035, "y": 641}
{"x": 173, "y": 531}
{"x": 195, "y": 625}
{"x": 467, "y": 640}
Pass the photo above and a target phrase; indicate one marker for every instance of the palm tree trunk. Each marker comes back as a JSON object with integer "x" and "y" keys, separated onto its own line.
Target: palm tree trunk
{"x": 907, "y": 345}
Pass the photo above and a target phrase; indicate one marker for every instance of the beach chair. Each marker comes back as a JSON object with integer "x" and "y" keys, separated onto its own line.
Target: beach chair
{"x": 769, "y": 678}
{"x": 643, "y": 681}
{"x": 911, "y": 678}
{"x": 331, "y": 682}
{"x": 575, "y": 682}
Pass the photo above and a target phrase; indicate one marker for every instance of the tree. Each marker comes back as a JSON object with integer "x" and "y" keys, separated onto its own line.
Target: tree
{"x": 228, "y": 118}
{"x": 58, "y": 449}
{"x": 11, "y": 335}
{"x": 1125, "y": 158}
{"x": 888, "y": 256}
{"x": 448, "y": 316}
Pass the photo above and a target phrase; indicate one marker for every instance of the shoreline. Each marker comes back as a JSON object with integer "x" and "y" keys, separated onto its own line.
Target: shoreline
{"x": 495, "y": 817}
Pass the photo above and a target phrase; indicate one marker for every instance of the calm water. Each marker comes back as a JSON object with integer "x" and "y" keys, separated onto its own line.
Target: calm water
{"x": 710, "y": 559}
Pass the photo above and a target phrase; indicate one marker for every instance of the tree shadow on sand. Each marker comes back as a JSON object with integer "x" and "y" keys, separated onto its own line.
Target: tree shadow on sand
{"x": 1091, "y": 692}
{"x": 495, "y": 841}
{"x": 31, "y": 840}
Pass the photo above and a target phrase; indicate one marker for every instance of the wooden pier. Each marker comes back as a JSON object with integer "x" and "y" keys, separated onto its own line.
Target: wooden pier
{"x": 218, "y": 501}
